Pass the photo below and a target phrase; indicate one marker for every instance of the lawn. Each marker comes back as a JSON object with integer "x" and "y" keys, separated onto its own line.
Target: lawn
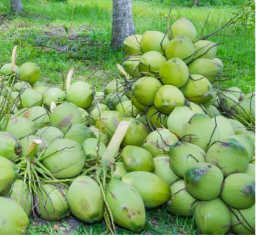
{"x": 46, "y": 34}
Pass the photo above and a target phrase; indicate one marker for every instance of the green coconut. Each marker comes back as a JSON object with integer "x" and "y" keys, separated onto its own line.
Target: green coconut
{"x": 109, "y": 122}
{"x": 126, "y": 205}
{"x": 137, "y": 159}
{"x": 196, "y": 108}
{"x": 13, "y": 219}
{"x": 41, "y": 89}
{"x": 229, "y": 101}
{"x": 100, "y": 135}
{"x": 238, "y": 191}
{"x": 243, "y": 221}
{"x": 131, "y": 65}
{"x": 20, "y": 127}
{"x": 127, "y": 109}
{"x": 96, "y": 111}
{"x": 205, "y": 67}
{"x": 229, "y": 155}
{"x": 10, "y": 147}
{"x": 99, "y": 96}
{"x": 251, "y": 170}
{"x": 182, "y": 27}
{"x": 8, "y": 173}
{"x": 153, "y": 190}
{"x": 80, "y": 93}
{"x": 54, "y": 94}
{"x": 92, "y": 148}
{"x": 212, "y": 217}
{"x": 85, "y": 199}
{"x": 136, "y": 133}
{"x": 181, "y": 202}
{"x": 31, "y": 97}
{"x": 79, "y": 133}
{"x": 132, "y": 44}
{"x": 174, "y": 72}
{"x": 85, "y": 116}
{"x": 180, "y": 47}
{"x": 142, "y": 96}
{"x": 64, "y": 116}
{"x": 212, "y": 111}
{"x": 205, "y": 49}
{"x": 6, "y": 69}
{"x": 184, "y": 155}
{"x": 119, "y": 170}
{"x": 30, "y": 72}
{"x": 20, "y": 193}
{"x": 217, "y": 60}
{"x": 64, "y": 158}
{"x": 154, "y": 41}
{"x": 238, "y": 127}
{"x": 113, "y": 99}
{"x": 198, "y": 89}
{"x": 21, "y": 86}
{"x": 151, "y": 62}
{"x": 203, "y": 181}
{"x": 250, "y": 95}
{"x": 113, "y": 86}
{"x": 37, "y": 114}
{"x": 49, "y": 134}
{"x": 215, "y": 101}
{"x": 178, "y": 120}
{"x": 159, "y": 141}
{"x": 236, "y": 92}
{"x": 155, "y": 118}
{"x": 52, "y": 202}
{"x": 202, "y": 131}
{"x": 167, "y": 98}
{"x": 245, "y": 110}
{"x": 163, "y": 170}
{"x": 224, "y": 126}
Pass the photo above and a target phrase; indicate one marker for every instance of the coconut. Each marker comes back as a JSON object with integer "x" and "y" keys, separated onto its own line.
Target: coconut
{"x": 30, "y": 72}
{"x": 49, "y": 134}
{"x": 31, "y": 97}
{"x": 80, "y": 93}
{"x": 113, "y": 86}
{"x": 229, "y": 155}
{"x": 178, "y": 120}
{"x": 10, "y": 147}
{"x": 142, "y": 96}
{"x": 109, "y": 122}
{"x": 130, "y": 65}
{"x": 100, "y": 135}
{"x": 217, "y": 60}
{"x": 203, "y": 181}
{"x": 163, "y": 170}
{"x": 41, "y": 89}
{"x": 159, "y": 141}
{"x": 53, "y": 94}
{"x": 79, "y": 133}
{"x": 8, "y": 173}
{"x": 251, "y": 170}
{"x": 85, "y": 199}
{"x": 64, "y": 158}
{"x": 127, "y": 109}
{"x": 20, "y": 127}
{"x": 155, "y": 118}
{"x": 174, "y": 72}
{"x": 154, "y": 41}
{"x": 151, "y": 62}
{"x": 184, "y": 155}
{"x": 85, "y": 116}
{"x": 238, "y": 127}
{"x": 21, "y": 86}
{"x": 167, "y": 98}
{"x": 180, "y": 47}
{"x": 215, "y": 101}
{"x": 245, "y": 110}
{"x": 196, "y": 108}
{"x": 238, "y": 191}
{"x": 119, "y": 171}
{"x": 224, "y": 126}
{"x": 13, "y": 219}
{"x": 6, "y": 69}
{"x": 137, "y": 159}
{"x": 153, "y": 190}
{"x": 205, "y": 49}
{"x": 229, "y": 101}
{"x": 198, "y": 89}
{"x": 140, "y": 107}
{"x": 202, "y": 131}
{"x": 20, "y": 193}
{"x": 136, "y": 133}
{"x": 205, "y": 67}
{"x": 27, "y": 141}
{"x": 212, "y": 111}
{"x": 236, "y": 92}
{"x": 243, "y": 221}
{"x": 64, "y": 116}
{"x": 126, "y": 205}
{"x": 250, "y": 95}
{"x": 132, "y": 44}
{"x": 212, "y": 217}
{"x": 93, "y": 148}
{"x": 181, "y": 202}
{"x": 52, "y": 202}
{"x": 182, "y": 27}
{"x": 113, "y": 99}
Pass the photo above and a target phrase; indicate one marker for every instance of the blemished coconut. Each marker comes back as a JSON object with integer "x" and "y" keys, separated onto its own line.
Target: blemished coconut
{"x": 174, "y": 72}
{"x": 30, "y": 72}
{"x": 132, "y": 44}
{"x": 54, "y": 94}
{"x": 205, "y": 49}
{"x": 182, "y": 27}
{"x": 154, "y": 41}
{"x": 155, "y": 118}
{"x": 31, "y": 97}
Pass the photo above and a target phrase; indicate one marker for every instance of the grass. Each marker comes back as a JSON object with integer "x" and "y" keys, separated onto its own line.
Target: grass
{"x": 91, "y": 53}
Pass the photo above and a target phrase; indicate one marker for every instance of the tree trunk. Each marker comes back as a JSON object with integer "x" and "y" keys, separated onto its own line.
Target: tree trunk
{"x": 16, "y": 6}
{"x": 122, "y": 25}
{"x": 196, "y": 2}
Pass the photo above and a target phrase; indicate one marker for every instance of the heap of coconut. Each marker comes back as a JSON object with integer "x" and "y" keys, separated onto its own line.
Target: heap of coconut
{"x": 188, "y": 145}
